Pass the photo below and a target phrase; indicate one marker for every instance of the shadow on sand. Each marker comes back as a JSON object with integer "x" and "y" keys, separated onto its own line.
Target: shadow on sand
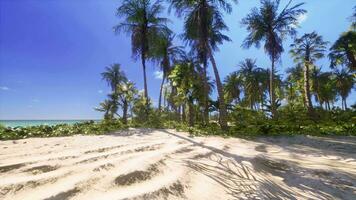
{"x": 234, "y": 173}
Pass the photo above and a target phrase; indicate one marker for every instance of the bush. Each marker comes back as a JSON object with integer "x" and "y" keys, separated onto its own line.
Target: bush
{"x": 86, "y": 128}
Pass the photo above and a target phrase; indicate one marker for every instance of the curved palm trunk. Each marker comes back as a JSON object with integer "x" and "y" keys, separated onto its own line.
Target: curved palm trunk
{"x": 222, "y": 105}
{"x": 160, "y": 93}
{"x": 307, "y": 95}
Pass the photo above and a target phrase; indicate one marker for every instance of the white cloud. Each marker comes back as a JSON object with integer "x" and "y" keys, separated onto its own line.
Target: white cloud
{"x": 301, "y": 18}
{"x": 100, "y": 91}
{"x": 158, "y": 74}
{"x": 4, "y": 88}
{"x": 35, "y": 100}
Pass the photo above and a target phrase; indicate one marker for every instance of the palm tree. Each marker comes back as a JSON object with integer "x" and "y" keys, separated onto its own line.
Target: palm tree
{"x": 268, "y": 26}
{"x": 166, "y": 53}
{"x": 294, "y": 85}
{"x": 106, "y": 107}
{"x": 233, "y": 87}
{"x": 113, "y": 75}
{"x": 203, "y": 23}
{"x": 344, "y": 84}
{"x": 324, "y": 85}
{"x": 249, "y": 71}
{"x": 343, "y": 51}
{"x": 142, "y": 22}
{"x": 306, "y": 50}
{"x": 185, "y": 77}
{"x": 126, "y": 92}
{"x": 353, "y": 19}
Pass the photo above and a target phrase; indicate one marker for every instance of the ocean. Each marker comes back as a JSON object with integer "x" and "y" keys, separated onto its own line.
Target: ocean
{"x": 23, "y": 123}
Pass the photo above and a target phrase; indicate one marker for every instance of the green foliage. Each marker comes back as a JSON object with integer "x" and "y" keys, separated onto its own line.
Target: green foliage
{"x": 85, "y": 128}
{"x": 293, "y": 121}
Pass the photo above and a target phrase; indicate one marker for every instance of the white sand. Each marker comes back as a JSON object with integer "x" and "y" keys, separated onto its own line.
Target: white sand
{"x": 164, "y": 164}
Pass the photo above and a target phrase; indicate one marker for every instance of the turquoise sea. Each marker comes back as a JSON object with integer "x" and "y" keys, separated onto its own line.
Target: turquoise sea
{"x": 23, "y": 123}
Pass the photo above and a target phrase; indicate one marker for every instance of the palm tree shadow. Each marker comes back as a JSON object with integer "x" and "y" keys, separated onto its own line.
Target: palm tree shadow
{"x": 247, "y": 178}
{"x": 344, "y": 147}
{"x": 235, "y": 174}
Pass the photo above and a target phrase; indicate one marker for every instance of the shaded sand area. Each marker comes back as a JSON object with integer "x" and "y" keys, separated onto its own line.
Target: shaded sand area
{"x": 165, "y": 164}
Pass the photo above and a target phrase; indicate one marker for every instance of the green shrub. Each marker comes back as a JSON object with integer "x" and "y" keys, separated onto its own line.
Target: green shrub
{"x": 85, "y": 128}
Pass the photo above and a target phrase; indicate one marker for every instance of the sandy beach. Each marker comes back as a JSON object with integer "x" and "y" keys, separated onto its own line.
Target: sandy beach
{"x": 165, "y": 164}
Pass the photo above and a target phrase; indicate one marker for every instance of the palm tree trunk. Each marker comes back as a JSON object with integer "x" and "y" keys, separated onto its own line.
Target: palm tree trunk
{"x": 307, "y": 95}
{"x": 143, "y": 59}
{"x": 206, "y": 94}
{"x": 183, "y": 113}
{"x": 271, "y": 88}
{"x": 164, "y": 99}
{"x": 345, "y": 105}
{"x": 179, "y": 113}
{"x": 160, "y": 93}
{"x": 124, "y": 112}
{"x": 191, "y": 113}
{"x": 222, "y": 105}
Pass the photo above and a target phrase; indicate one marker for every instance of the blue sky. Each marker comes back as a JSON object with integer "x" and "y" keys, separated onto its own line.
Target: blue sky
{"x": 52, "y": 52}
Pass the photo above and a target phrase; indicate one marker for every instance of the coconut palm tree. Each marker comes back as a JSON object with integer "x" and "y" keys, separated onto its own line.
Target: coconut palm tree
{"x": 185, "y": 76}
{"x": 126, "y": 92}
{"x": 324, "y": 85}
{"x": 202, "y": 26}
{"x": 106, "y": 107}
{"x": 248, "y": 71}
{"x": 343, "y": 51}
{"x": 344, "y": 84}
{"x": 306, "y": 50}
{"x": 233, "y": 87}
{"x": 165, "y": 52}
{"x": 270, "y": 26}
{"x": 142, "y": 22}
{"x": 113, "y": 75}
{"x": 294, "y": 85}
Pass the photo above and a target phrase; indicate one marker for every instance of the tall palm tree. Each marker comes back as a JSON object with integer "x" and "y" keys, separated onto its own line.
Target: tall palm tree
{"x": 142, "y": 22}
{"x": 233, "y": 87}
{"x": 271, "y": 27}
{"x": 185, "y": 76}
{"x": 165, "y": 52}
{"x": 249, "y": 71}
{"x": 113, "y": 75}
{"x": 343, "y": 51}
{"x": 344, "y": 84}
{"x": 203, "y": 23}
{"x": 306, "y": 50}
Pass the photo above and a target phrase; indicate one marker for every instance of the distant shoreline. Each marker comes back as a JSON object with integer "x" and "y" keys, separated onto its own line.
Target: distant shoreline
{"x": 36, "y": 122}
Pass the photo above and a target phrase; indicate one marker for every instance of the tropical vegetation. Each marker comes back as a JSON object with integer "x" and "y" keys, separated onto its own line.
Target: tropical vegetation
{"x": 251, "y": 100}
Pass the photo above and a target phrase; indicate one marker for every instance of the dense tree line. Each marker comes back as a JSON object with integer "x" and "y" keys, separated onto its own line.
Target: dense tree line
{"x": 186, "y": 87}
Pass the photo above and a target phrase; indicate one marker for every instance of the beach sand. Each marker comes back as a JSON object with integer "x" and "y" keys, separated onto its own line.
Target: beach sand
{"x": 165, "y": 164}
